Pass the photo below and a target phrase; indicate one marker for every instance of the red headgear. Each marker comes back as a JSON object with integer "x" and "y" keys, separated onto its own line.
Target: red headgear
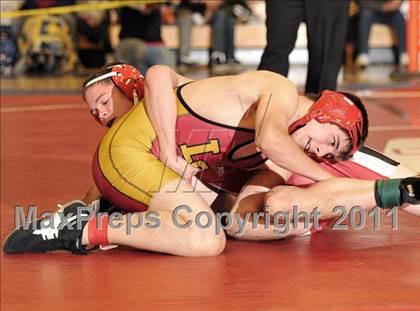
{"x": 127, "y": 78}
{"x": 336, "y": 108}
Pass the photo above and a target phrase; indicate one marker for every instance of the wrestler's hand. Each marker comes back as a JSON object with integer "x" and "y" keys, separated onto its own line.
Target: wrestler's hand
{"x": 181, "y": 167}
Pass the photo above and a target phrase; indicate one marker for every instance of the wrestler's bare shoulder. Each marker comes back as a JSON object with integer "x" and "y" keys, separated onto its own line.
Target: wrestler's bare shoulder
{"x": 233, "y": 99}
{"x": 248, "y": 82}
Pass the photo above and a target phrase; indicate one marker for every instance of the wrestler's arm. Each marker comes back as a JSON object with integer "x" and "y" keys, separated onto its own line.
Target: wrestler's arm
{"x": 160, "y": 104}
{"x": 276, "y": 106}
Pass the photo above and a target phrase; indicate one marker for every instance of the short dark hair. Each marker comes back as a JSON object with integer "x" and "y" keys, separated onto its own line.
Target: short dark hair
{"x": 359, "y": 104}
{"x": 346, "y": 153}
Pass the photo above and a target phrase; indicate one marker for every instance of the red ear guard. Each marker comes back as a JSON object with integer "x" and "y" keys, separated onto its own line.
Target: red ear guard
{"x": 127, "y": 78}
{"x": 336, "y": 108}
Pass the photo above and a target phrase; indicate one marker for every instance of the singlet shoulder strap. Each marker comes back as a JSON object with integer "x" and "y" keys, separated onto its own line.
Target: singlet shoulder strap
{"x": 196, "y": 115}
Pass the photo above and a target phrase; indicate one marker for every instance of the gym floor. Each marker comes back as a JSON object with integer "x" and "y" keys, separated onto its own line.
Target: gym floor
{"x": 47, "y": 141}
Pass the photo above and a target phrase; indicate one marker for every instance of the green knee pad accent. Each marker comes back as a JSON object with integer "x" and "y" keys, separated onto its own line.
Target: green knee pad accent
{"x": 387, "y": 193}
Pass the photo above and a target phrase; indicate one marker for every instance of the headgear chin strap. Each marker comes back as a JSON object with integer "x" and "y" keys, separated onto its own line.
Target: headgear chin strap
{"x": 127, "y": 78}
{"x": 336, "y": 108}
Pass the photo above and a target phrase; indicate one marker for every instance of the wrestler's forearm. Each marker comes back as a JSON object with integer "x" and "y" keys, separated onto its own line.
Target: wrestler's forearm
{"x": 283, "y": 151}
{"x": 272, "y": 119}
{"x": 160, "y": 104}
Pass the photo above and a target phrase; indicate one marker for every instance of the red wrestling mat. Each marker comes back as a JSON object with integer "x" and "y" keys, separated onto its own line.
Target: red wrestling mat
{"x": 45, "y": 159}
{"x": 357, "y": 270}
{"x": 393, "y": 113}
{"x": 36, "y": 100}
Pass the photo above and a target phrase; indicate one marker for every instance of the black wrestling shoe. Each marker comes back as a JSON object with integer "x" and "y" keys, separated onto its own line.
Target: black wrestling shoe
{"x": 102, "y": 205}
{"x": 59, "y": 234}
{"x": 410, "y": 190}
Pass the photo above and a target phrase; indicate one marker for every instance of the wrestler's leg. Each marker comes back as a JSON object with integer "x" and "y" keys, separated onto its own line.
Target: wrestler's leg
{"x": 324, "y": 195}
{"x": 366, "y": 164}
{"x": 132, "y": 178}
{"x": 250, "y": 203}
{"x": 173, "y": 233}
{"x": 223, "y": 202}
{"x": 168, "y": 237}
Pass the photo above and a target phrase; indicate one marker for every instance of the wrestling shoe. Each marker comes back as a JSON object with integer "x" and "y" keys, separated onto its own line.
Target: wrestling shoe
{"x": 186, "y": 61}
{"x": 403, "y": 60}
{"x": 397, "y": 192}
{"x": 100, "y": 205}
{"x": 410, "y": 190}
{"x": 362, "y": 61}
{"x": 235, "y": 64}
{"x": 62, "y": 231}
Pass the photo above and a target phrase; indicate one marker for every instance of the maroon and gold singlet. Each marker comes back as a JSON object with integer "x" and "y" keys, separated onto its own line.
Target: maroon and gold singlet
{"x": 127, "y": 169}
{"x": 220, "y": 151}
{"x": 128, "y": 172}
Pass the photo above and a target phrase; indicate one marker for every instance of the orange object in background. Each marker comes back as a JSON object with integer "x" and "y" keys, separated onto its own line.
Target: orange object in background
{"x": 413, "y": 36}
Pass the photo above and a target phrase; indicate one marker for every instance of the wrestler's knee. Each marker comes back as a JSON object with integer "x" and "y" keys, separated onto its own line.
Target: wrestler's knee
{"x": 207, "y": 243}
{"x": 204, "y": 240}
{"x": 283, "y": 197}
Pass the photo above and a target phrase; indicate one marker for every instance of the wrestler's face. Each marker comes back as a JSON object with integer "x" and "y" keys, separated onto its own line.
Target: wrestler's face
{"x": 106, "y": 103}
{"x": 322, "y": 140}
